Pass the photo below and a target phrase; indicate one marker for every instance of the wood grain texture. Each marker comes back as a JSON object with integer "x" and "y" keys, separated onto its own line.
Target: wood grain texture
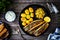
{"x": 19, "y": 5}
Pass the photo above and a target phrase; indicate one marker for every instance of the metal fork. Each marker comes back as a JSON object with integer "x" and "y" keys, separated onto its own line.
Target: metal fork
{"x": 52, "y": 8}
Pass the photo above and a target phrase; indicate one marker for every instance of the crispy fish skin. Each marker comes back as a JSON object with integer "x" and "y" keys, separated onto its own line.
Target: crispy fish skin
{"x": 37, "y": 30}
{"x": 41, "y": 30}
{"x": 41, "y": 27}
{"x": 36, "y": 26}
{"x": 34, "y": 23}
{"x": 34, "y": 29}
{"x": 1, "y": 27}
{"x": 46, "y": 26}
{"x": 31, "y": 32}
{"x": 1, "y": 33}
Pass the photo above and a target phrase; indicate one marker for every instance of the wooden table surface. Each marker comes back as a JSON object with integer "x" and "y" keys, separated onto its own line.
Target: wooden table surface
{"x": 18, "y": 6}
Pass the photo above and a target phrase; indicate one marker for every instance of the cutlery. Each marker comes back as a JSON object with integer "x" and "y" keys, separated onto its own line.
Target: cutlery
{"x": 52, "y": 8}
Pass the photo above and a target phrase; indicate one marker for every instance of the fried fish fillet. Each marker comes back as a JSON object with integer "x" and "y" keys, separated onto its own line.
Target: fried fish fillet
{"x": 41, "y": 29}
{"x": 34, "y": 23}
{"x": 3, "y": 31}
{"x": 36, "y": 26}
{"x": 1, "y": 27}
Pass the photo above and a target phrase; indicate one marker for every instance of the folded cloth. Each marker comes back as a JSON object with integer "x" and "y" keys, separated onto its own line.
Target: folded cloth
{"x": 55, "y": 35}
{"x": 57, "y": 31}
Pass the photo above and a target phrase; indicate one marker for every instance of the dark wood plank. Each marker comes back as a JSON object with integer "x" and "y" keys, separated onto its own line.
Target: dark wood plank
{"x": 18, "y": 6}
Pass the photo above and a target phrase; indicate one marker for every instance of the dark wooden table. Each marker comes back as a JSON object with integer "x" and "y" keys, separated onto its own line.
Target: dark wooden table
{"x": 18, "y": 6}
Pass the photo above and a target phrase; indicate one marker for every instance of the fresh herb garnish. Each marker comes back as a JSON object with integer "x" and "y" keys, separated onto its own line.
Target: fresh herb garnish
{"x": 4, "y": 4}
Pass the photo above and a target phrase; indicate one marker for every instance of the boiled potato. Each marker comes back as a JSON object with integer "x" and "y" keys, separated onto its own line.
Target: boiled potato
{"x": 42, "y": 12}
{"x": 40, "y": 16}
{"x": 40, "y": 9}
{"x": 37, "y": 13}
{"x": 27, "y": 21}
{"x": 23, "y": 19}
{"x": 37, "y": 16}
{"x": 30, "y": 9}
{"x": 31, "y": 19}
{"x": 32, "y": 14}
{"x": 23, "y": 15}
{"x": 28, "y": 16}
{"x": 23, "y": 23}
{"x": 27, "y": 11}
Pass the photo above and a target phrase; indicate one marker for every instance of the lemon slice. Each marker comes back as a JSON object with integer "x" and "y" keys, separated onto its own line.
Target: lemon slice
{"x": 47, "y": 19}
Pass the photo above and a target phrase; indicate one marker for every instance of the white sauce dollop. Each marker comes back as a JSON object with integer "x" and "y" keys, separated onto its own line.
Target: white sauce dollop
{"x": 10, "y": 16}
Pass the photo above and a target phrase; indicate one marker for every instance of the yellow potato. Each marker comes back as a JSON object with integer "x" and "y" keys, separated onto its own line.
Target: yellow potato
{"x": 23, "y": 23}
{"x": 40, "y": 9}
{"x": 37, "y": 16}
{"x": 43, "y": 14}
{"x": 28, "y": 16}
{"x": 47, "y": 19}
{"x": 32, "y": 14}
{"x": 23, "y": 15}
{"x": 27, "y": 21}
{"x": 36, "y": 13}
{"x": 40, "y": 13}
{"x": 27, "y": 11}
{"x": 30, "y": 9}
{"x": 23, "y": 19}
{"x": 31, "y": 19}
{"x": 40, "y": 16}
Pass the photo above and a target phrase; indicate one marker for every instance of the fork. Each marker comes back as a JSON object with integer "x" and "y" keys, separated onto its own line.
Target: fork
{"x": 52, "y": 8}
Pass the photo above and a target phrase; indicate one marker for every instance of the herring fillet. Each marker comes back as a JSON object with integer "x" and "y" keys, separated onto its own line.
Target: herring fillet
{"x": 34, "y": 23}
{"x": 41, "y": 30}
{"x": 36, "y": 26}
